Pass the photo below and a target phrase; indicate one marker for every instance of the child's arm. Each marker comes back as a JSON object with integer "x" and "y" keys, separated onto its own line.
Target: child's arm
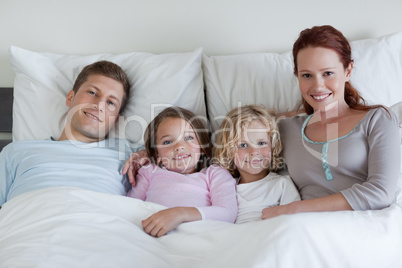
{"x": 166, "y": 220}
{"x": 223, "y": 196}
{"x": 139, "y": 191}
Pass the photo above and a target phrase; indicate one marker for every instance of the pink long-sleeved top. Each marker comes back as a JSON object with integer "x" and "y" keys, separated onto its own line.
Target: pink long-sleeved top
{"x": 212, "y": 190}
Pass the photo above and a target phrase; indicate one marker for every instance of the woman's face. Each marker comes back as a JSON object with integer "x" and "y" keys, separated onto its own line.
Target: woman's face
{"x": 322, "y": 77}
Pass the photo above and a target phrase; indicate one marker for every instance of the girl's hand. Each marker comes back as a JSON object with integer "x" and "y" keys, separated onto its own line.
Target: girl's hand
{"x": 166, "y": 220}
{"x": 134, "y": 163}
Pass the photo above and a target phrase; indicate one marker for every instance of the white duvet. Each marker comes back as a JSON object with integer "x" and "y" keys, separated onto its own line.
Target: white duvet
{"x": 70, "y": 227}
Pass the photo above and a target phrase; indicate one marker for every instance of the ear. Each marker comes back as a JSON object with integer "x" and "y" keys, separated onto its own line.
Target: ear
{"x": 349, "y": 71}
{"x": 69, "y": 98}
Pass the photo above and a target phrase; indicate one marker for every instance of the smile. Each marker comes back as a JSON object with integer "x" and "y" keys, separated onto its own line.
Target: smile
{"x": 254, "y": 161}
{"x": 180, "y": 157}
{"x": 92, "y": 116}
{"x": 321, "y": 97}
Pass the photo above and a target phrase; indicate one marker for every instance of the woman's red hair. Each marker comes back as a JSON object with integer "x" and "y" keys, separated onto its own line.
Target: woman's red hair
{"x": 327, "y": 36}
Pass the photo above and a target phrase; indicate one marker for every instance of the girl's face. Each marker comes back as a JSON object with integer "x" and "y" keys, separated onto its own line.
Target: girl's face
{"x": 177, "y": 146}
{"x": 322, "y": 77}
{"x": 253, "y": 155}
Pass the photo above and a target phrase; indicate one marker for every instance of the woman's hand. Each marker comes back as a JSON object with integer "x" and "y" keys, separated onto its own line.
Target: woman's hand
{"x": 166, "y": 220}
{"x": 275, "y": 211}
{"x": 134, "y": 163}
{"x": 335, "y": 202}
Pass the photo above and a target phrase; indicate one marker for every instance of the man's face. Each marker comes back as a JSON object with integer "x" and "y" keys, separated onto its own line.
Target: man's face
{"x": 94, "y": 108}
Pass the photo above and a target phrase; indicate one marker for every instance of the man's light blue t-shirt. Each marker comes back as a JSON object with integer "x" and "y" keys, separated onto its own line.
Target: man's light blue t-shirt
{"x": 30, "y": 165}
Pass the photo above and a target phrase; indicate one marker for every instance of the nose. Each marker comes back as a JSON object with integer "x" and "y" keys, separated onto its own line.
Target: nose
{"x": 254, "y": 151}
{"x": 99, "y": 106}
{"x": 179, "y": 146}
{"x": 318, "y": 83}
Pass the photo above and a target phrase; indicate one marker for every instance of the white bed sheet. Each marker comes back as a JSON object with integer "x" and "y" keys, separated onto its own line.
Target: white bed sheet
{"x": 70, "y": 227}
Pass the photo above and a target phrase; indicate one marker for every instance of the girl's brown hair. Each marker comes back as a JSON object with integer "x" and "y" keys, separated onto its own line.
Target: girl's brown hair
{"x": 327, "y": 36}
{"x": 196, "y": 122}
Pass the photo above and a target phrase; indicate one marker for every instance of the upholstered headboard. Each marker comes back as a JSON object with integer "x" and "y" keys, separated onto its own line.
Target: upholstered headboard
{"x": 6, "y": 120}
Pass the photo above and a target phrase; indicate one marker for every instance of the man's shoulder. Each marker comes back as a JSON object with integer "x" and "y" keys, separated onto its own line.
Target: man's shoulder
{"x": 15, "y": 148}
{"x": 27, "y": 143}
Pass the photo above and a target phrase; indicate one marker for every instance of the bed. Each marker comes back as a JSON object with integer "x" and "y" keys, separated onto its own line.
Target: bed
{"x": 72, "y": 227}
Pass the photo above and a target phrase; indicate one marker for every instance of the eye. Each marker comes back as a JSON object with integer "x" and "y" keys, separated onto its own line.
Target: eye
{"x": 262, "y": 143}
{"x": 111, "y": 103}
{"x": 328, "y": 73}
{"x": 306, "y": 75}
{"x": 243, "y": 145}
{"x": 92, "y": 92}
{"x": 188, "y": 138}
{"x": 166, "y": 142}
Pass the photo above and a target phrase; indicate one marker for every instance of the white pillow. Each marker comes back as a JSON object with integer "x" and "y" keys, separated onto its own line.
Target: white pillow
{"x": 260, "y": 78}
{"x": 399, "y": 187}
{"x": 378, "y": 69}
{"x": 267, "y": 78}
{"x": 397, "y": 109}
{"x": 43, "y": 80}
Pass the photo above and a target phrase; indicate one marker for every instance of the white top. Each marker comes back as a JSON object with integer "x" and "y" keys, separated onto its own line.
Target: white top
{"x": 273, "y": 190}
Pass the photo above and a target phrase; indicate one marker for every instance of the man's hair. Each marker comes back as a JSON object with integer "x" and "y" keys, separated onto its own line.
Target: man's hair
{"x": 108, "y": 69}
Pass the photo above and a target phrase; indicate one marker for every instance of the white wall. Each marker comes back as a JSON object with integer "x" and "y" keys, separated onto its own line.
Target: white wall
{"x": 220, "y": 26}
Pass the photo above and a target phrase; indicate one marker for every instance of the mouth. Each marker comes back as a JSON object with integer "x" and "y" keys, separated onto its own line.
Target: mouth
{"x": 181, "y": 157}
{"x": 92, "y": 116}
{"x": 254, "y": 161}
{"x": 321, "y": 97}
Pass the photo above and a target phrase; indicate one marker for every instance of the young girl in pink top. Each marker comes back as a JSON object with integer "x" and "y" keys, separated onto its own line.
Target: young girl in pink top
{"x": 178, "y": 145}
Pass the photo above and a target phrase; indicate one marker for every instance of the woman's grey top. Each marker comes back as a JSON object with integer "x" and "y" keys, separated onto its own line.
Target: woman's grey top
{"x": 363, "y": 165}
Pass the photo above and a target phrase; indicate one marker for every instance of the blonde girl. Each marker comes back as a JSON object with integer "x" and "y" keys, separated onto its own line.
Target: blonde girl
{"x": 248, "y": 145}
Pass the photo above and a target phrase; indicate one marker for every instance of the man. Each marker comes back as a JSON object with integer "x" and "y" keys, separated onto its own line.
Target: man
{"x": 81, "y": 156}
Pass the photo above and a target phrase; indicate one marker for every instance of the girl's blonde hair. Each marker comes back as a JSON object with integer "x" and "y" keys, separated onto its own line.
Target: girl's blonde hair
{"x": 226, "y": 143}
{"x": 197, "y": 123}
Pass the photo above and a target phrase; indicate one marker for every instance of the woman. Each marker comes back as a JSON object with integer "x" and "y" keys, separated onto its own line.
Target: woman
{"x": 344, "y": 154}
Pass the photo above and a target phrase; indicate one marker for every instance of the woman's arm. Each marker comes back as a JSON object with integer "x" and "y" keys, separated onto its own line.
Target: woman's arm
{"x": 335, "y": 202}
{"x": 383, "y": 162}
